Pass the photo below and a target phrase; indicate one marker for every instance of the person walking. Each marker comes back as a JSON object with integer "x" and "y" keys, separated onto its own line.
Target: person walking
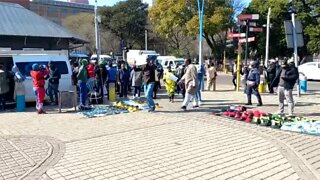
{"x": 53, "y": 83}
{"x": 253, "y": 81}
{"x": 38, "y": 74}
{"x": 200, "y": 76}
{"x": 180, "y": 73}
{"x": 170, "y": 84}
{"x": 4, "y": 87}
{"x": 211, "y": 76}
{"x": 285, "y": 80}
{"x": 123, "y": 80}
{"x": 136, "y": 82}
{"x": 82, "y": 78}
{"x": 148, "y": 71}
{"x": 190, "y": 81}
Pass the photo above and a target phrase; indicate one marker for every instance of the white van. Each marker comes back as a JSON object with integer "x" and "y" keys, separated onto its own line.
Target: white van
{"x": 174, "y": 62}
{"x": 140, "y": 56}
{"x": 102, "y": 57}
{"x": 24, "y": 61}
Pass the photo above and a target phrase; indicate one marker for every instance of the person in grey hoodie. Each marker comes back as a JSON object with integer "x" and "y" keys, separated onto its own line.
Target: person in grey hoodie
{"x": 4, "y": 87}
{"x": 136, "y": 79}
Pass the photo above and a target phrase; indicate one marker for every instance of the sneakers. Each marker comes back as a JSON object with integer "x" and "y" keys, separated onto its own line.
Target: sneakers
{"x": 184, "y": 108}
{"x": 196, "y": 106}
{"x": 248, "y": 104}
{"x": 41, "y": 111}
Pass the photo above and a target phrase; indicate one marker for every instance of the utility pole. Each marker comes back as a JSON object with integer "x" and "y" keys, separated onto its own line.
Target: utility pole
{"x": 146, "y": 39}
{"x": 200, "y": 12}
{"x": 267, "y": 38}
{"x": 98, "y": 50}
{"x": 247, "y": 34}
{"x": 295, "y": 48}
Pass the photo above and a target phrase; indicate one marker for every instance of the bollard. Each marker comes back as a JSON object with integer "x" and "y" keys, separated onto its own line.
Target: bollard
{"x": 303, "y": 84}
{"x": 20, "y": 97}
{"x": 112, "y": 92}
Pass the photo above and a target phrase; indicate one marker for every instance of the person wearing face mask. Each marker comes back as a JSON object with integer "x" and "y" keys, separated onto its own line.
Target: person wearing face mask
{"x": 253, "y": 81}
{"x": 285, "y": 80}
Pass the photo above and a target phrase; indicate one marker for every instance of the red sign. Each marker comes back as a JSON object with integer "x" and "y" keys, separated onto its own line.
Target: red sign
{"x": 243, "y": 17}
{"x": 255, "y": 29}
{"x": 243, "y": 23}
{"x": 236, "y": 35}
{"x": 250, "y": 39}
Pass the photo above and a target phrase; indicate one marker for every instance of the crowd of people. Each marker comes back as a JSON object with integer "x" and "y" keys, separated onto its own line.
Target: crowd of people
{"x": 279, "y": 75}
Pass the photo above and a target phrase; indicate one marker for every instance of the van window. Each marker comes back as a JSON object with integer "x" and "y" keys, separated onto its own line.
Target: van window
{"x": 25, "y": 67}
{"x": 166, "y": 63}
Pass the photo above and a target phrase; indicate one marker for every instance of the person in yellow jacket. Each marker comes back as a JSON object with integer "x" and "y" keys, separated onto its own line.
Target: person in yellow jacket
{"x": 170, "y": 83}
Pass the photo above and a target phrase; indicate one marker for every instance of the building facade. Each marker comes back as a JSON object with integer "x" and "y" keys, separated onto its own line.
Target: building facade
{"x": 53, "y": 10}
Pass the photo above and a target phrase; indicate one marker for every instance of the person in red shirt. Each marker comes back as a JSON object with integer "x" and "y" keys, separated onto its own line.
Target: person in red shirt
{"x": 91, "y": 70}
{"x": 38, "y": 74}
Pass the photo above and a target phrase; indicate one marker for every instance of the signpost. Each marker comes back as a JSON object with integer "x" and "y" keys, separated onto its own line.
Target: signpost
{"x": 250, "y": 39}
{"x": 244, "y": 17}
{"x": 252, "y": 29}
{"x": 236, "y": 35}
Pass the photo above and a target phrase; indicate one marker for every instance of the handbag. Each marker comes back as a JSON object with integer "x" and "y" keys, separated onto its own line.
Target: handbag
{"x": 251, "y": 83}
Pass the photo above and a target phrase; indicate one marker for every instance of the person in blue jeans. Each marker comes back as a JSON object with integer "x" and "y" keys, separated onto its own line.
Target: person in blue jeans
{"x": 82, "y": 77}
{"x": 149, "y": 81}
{"x": 123, "y": 80}
{"x": 253, "y": 82}
{"x": 201, "y": 72}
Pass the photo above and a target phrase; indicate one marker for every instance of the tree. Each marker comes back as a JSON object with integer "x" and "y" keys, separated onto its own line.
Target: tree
{"x": 127, "y": 21}
{"x": 83, "y": 24}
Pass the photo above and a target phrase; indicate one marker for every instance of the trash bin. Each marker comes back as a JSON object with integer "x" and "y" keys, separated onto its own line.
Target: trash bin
{"x": 67, "y": 100}
{"x": 20, "y": 97}
{"x": 303, "y": 83}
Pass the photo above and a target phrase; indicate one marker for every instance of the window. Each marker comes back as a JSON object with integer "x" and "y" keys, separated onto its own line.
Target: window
{"x": 26, "y": 67}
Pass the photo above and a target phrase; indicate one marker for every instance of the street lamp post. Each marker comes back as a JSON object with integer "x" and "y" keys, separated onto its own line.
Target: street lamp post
{"x": 97, "y": 20}
{"x": 267, "y": 38}
{"x": 200, "y": 13}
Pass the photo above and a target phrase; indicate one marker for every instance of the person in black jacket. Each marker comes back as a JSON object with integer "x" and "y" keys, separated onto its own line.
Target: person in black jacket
{"x": 149, "y": 81}
{"x": 271, "y": 73}
{"x": 53, "y": 85}
{"x": 101, "y": 77}
{"x": 285, "y": 79}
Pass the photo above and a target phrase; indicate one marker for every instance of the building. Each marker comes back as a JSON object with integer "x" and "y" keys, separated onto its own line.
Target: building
{"x": 21, "y": 28}
{"x": 53, "y": 10}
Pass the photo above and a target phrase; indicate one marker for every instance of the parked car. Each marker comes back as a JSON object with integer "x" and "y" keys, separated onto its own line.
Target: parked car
{"x": 311, "y": 70}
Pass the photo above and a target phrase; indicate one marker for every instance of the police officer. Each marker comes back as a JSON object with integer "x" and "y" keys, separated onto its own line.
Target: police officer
{"x": 253, "y": 82}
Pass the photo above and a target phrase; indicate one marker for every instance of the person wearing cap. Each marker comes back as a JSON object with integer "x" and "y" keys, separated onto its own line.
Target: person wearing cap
{"x": 148, "y": 71}
{"x": 82, "y": 78}
{"x": 53, "y": 83}
{"x": 170, "y": 84}
{"x": 38, "y": 74}
{"x": 285, "y": 80}
{"x": 253, "y": 81}
{"x": 271, "y": 73}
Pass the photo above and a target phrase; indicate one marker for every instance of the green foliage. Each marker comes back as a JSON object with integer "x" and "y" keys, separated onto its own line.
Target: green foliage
{"x": 127, "y": 20}
{"x": 279, "y": 13}
{"x": 172, "y": 17}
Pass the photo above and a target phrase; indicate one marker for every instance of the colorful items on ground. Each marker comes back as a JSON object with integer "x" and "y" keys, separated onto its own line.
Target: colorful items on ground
{"x": 295, "y": 124}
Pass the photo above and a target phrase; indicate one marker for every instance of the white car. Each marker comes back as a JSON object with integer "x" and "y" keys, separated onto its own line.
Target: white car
{"x": 311, "y": 70}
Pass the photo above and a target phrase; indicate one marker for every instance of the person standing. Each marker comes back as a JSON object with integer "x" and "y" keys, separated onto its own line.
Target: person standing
{"x": 200, "y": 76}
{"x": 82, "y": 78}
{"x": 211, "y": 76}
{"x": 38, "y": 74}
{"x": 190, "y": 80}
{"x": 123, "y": 80}
{"x": 253, "y": 81}
{"x": 136, "y": 82}
{"x": 234, "y": 74}
{"x": 285, "y": 80}
{"x": 180, "y": 73}
{"x": 148, "y": 71}
{"x": 4, "y": 87}
{"x": 158, "y": 77}
{"x": 170, "y": 84}
{"x": 101, "y": 77}
{"x": 111, "y": 77}
{"x": 53, "y": 85}
{"x": 271, "y": 74}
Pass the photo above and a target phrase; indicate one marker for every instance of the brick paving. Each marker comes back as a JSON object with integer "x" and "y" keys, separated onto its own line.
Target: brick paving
{"x": 167, "y": 144}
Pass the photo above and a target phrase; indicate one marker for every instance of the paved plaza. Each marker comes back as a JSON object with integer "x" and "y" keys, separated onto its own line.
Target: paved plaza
{"x": 167, "y": 144}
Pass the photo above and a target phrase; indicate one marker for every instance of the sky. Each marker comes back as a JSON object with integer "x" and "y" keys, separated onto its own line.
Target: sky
{"x": 112, "y": 2}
